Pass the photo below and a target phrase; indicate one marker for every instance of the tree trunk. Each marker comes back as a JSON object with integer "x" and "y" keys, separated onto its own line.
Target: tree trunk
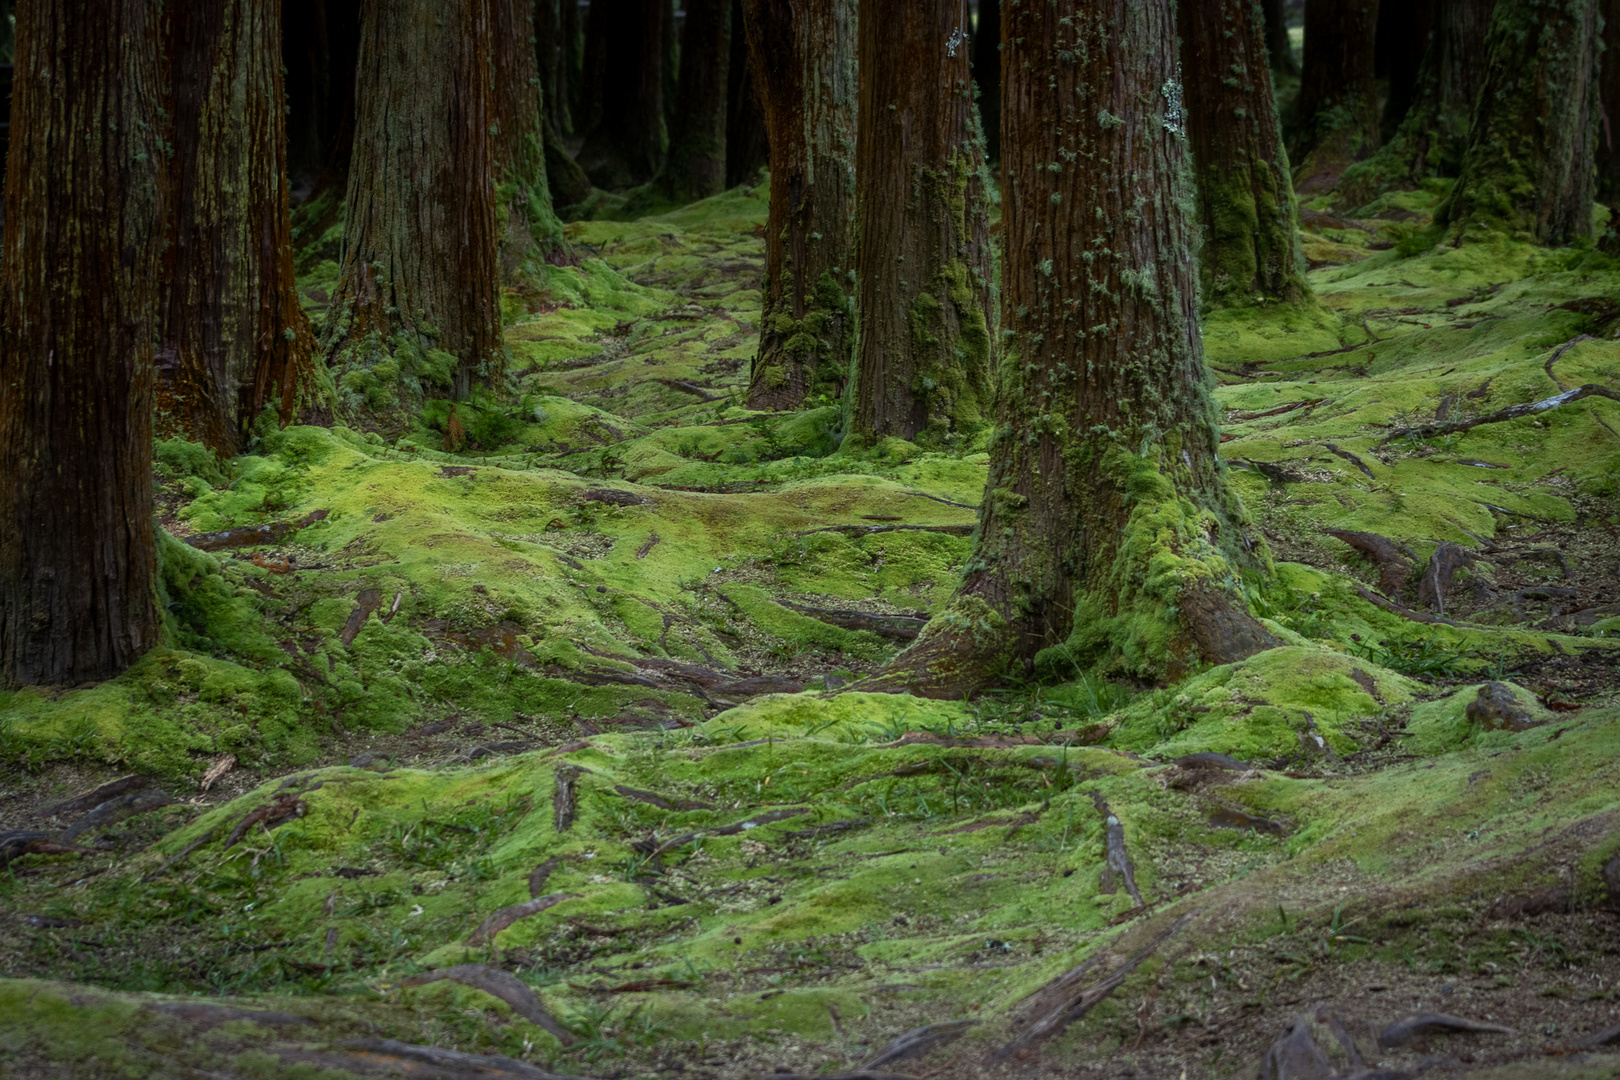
{"x": 804, "y": 67}
{"x": 747, "y": 149}
{"x": 1401, "y": 43}
{"x": 923, "y": 235}
{"x": 1108, "y": 534}
{"x": 593, "y": 63}
{"x": 1336, "y": 112}
{"x": 550, "y": 49}
{"x": 987, "y": 74}
{"x": 530, "y": 232}
{"x": 1432, "y": 137}
{"x": 419, "y": 264}
{"x": 1608, "y": 136}
{"x": 233, "y": 337}
{"x": 320, "y": 47}
{"x": 1278, "y": 48}
{"x": 696, "y": 168}
{"x": 85, "y": 197}
{"x": 1528, "y": 167}
{"x": 626, "y": 146}
{"x": 1250, "y": 249}
{"x": 573, "y": 61}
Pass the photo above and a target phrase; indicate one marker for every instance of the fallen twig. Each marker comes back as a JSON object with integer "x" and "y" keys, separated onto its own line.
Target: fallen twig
{"x": 1118, "y": 856}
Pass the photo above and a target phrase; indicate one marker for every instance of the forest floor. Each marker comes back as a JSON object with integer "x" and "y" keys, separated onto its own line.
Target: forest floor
{"x": 528, "y": 740}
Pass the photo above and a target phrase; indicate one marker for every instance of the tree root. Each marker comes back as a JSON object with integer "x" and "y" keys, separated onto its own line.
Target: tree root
{"x": 504, "y": 985}
{"x": 663, "y": 802}
{"x": 1400, "y": 609}
{"x": 895, "y": 627}
{"x": 269, "y": 815}
{"x": 869, "y": 530}
{"x": 566, "y": 804}
{"x": 508, "y": 915}
{"x": 1560, "y": 351}
{"x": 1333, "y": 448}
{"x": 1062, "y": 1001}
{"x": 370, "y": 1056}
{"x": 252, "y": 535}
{"x": 1447, "y": 559}
{"x": 1394, "y": 563}
{"x": 1118, "y": 863}
{"x": 1512, "y": 412}
{"x": 918, "y": 1041}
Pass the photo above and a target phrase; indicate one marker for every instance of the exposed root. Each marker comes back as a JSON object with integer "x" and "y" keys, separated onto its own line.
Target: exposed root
{"x": 565, "y": 806}
{"x": 663, "y": 802}
{"x": 1553, "y": 359}
{"x": 269, "y": 815}
{"x": 1063, "y": 1000}
{"x": 918, "y": 1041}
{"x": 89, "y": 800}
{"x": 1512, "y": 412}
{"x": 1400, "y": 609}
{"x": 869, "y": 530}
{"x": 1447, "y": 559}
{"x": 1394, "y": 564}
{"x": 540, "y": 874}
{"x": 896, "y": 627}
{"x": 1351, "y": 458}
{"x": 1118, "y": 865}
{"x": 508, "y": 915}
{"x": 252, "y": 535}
{"x": 504, "y": 985}
{"x": 370, "y": 1056}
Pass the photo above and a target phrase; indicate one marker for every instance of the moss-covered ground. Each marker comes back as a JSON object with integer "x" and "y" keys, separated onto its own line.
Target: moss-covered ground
{"x": 597, "y": 637}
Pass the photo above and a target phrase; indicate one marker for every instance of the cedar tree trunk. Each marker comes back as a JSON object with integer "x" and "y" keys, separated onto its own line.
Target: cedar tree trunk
{"x": 550, "y": 49}
{"x": 1403, "y": 39}
{"x": 320, "y": 47}
{"x": 1608, "y": 137}
{"x": 922, "y": 250}
{"x": 573, "y": 60}
{"x": 747, "y": 148}
{"x": 1279, "y": 50}
{"x": 1432, "y": 137}
{"x": 696, "y": 168}
{"x": 233, "y": 337}
{"x": 1528, "y": 168}
{"x": 1336, "y": 112}
{"x": 804, "y": 67}
{"x": 85, "y": 196}
{"x": 1246, "y": 206}
{"x": 529, "y": 229}
{"x": 419, "y": 242}
{"x": 1108, "y": 533}
{"x": 626, "y": 146}
{"x": 987, "y": 74}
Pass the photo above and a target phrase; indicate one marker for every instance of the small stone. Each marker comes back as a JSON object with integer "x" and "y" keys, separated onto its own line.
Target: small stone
{"x": 1497, "y": 708}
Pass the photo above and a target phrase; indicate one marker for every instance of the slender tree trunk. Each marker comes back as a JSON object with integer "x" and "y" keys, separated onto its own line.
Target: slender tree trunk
{"x": 1402, "y": 41}
{"x": 85, "y": 196}
{"x": 1608, "y": 135}
{"x": 804, "y": 64}
{"x": 923, "y": 234}
{"x": 233, "y": 336}
{"x": 573, "y": 61}
{"x": 320, "y": 47}
{"x": 1279, "y": 50}
{"x": 1250, "y": 250}
{"x": 987, "y": 74}
{"x": 550, "y": 48}
{"x": 569, "y": 184}
{"x": 1528, "y": 168}
{"x": 306, "y": 55}
{"x": 626, "y": 146}
{"x": 593, "y": 63}
{"x": 1108, "y": 533}
{"x": 747, "y": 148}
{"x": 529, "y": 229}
{"x": 419, "y": 242}
{"x": 1336, "y": 113}
{"x": 696, "y": 168}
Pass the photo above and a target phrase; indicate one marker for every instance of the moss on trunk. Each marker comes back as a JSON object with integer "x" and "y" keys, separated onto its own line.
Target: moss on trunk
{"x": 1250, "y": 251}
{"x": 923, "y": 252}
{"x": 1528, "y": 167}
{"x": 1107, "y": 533}
{"x": 804, "y": 67}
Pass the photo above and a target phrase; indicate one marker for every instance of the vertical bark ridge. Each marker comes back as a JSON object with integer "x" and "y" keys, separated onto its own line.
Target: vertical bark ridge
{"x": 1107, "y": 533}
{"x": 234, "y": 338}
{"x": 803, "y": 56}
{"x": 923, "y": 254}
{"x": 747, "y": 149}
{"x": 625, "y": 146}
{"x": 419, "y": 271}
{"x": 1528, "y": 167}
{"x": 85, "y": 196}
{"x": 1250, "y": 251}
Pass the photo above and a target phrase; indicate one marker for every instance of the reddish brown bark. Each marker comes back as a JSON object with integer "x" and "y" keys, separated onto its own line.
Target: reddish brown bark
{"x": 530, "y": 232}
{"x": 923, "y": 251}
{"x": 804, "y": 63}
{"x": 85, "y": 193}
{"x": 1104, "y": 473}
{"x": 233, "y": 337}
